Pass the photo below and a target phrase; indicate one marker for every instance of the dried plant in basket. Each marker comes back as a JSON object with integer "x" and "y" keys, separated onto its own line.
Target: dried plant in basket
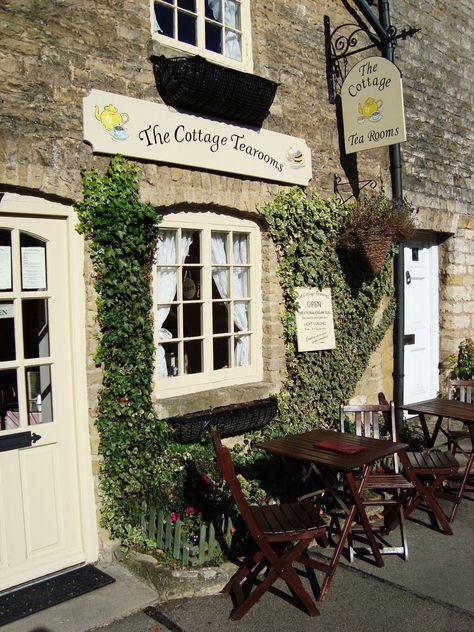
{"x": 373, "y": 222}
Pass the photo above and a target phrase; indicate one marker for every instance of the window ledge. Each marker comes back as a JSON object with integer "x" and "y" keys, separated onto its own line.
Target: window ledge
{"x": 207, "y": 400}
{"x": 198, "y": 85}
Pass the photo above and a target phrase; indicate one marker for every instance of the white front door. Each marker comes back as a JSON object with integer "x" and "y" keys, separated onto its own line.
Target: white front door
{"x": 40, "y": 508}
{"x": 421, "y": 341}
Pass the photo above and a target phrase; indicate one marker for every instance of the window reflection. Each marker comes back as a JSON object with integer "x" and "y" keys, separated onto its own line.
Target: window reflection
{"x": 9, "y": 410}
{"x": 39, "y": 396}
{"x": 35, "y": 328}
{"x": 7, "y": 331}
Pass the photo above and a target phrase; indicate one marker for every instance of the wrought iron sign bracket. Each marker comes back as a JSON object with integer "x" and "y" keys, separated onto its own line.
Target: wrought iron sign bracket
{"x": 344, "y": 41}
{"x": 355, "y": 185}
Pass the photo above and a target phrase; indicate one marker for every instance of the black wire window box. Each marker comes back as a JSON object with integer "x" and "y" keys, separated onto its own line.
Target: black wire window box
{"x": 195, "y": 84}
{"x": 230, "y": 420}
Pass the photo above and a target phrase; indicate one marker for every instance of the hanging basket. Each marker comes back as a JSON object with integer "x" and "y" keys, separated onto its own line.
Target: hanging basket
{"x": 374, "y": 247}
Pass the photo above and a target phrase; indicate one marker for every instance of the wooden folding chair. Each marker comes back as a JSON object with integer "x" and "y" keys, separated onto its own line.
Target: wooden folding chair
{"x": 366, "y": 420}
{"x": 432, "y": 468}
{"x": 463, "y": 391}
{"x": 282, "y": 533}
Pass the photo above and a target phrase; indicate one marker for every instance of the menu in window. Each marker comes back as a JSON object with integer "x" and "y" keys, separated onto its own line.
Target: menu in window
{"x": 314, "y": 319}
{"x": 5, "y": 268}
{"x": 33, "y": 268}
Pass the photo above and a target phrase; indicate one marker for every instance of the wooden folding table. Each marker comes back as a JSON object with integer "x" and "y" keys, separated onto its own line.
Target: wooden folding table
{"x": 344, "y": 453}
{"x": 445, "y": 409}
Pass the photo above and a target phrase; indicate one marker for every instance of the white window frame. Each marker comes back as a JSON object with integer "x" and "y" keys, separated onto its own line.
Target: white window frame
{"x": 211, "y": 379}
{"x": 246, "y": 41}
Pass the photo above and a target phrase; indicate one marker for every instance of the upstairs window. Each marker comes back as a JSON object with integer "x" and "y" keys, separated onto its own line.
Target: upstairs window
{"x": 216, "y": 29}
{"x": 207, "y": 303}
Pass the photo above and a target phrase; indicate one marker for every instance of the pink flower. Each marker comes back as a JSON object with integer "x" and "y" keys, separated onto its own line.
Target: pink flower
{"x": 189, "y": 510}
{"x": 174, "y": 517}
{"x": 205, "y": 478}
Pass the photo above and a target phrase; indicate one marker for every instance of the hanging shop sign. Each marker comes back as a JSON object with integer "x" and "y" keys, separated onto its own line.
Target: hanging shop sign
{"x": 151, "y": 131}
{"x": 372, "y": 105}
{"x": 314, "y": 319}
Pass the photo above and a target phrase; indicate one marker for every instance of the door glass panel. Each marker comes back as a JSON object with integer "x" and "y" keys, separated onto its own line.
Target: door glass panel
{"x": 7, "y": 331}
{"x": 39, "y": 396}
{"x": 35, "y": 328}
{"x": 9, "y": 415}
{"x": 33, "y": 263}
{"x": 220, "y": 317}
{"x": 6, "y": 281}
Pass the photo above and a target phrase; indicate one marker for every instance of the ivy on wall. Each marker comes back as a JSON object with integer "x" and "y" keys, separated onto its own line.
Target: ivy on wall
{"x": 306, "y": 231}
{"x": 122, "y": 234}
{"x": 138, "y": 457}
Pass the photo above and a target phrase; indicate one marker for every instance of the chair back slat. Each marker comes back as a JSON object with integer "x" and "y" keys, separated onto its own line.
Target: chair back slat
{"x": 366, "y": 420}
{"x": 228, "y": 472}
{"x": 463, "y": 388}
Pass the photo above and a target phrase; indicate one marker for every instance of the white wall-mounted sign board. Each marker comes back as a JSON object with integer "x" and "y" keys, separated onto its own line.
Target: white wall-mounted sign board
{"x": 151, "y": 131}
{"x": 372, "y": 105}
{"x": 314, "y": 319}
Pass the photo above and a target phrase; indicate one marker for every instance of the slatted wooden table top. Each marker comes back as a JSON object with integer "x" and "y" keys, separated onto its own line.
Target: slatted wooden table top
{"x": 333, "y": 450}
{"x": 441, "y": 407}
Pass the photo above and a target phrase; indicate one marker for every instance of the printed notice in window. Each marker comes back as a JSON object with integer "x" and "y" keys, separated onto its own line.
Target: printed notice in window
{"x": 33, "y": 268}
{"x": 314, "y": 319}
{"x": 5, "y": 268}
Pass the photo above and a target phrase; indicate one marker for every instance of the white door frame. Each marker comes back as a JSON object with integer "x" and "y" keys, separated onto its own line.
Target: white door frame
{"x": 24, "y": 205}
{"x": 427, "y": 240}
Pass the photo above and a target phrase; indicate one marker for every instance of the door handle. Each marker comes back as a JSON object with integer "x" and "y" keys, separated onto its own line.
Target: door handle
{"x": 408, "y": 277}
{"x": 18, "y": 440}
{"x": 409, "y": 339}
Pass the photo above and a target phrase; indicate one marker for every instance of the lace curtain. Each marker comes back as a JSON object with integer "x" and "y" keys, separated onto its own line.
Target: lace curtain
{"x": 231, "y": 18}
{"x": 239, "y": 287}
{"x": 166, "y": 283}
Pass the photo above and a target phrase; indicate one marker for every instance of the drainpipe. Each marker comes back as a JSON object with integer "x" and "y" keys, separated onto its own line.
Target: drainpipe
{"x": 388, "y": 51}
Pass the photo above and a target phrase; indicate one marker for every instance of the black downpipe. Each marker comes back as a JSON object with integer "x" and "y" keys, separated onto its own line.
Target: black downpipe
{"x": 388, "y": 51}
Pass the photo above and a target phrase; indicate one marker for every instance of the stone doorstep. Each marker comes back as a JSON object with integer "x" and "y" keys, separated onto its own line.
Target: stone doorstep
{"x": 176, "y": 583}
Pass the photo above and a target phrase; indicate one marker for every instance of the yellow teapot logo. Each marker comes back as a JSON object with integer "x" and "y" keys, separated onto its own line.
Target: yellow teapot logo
{"x": 370, "y": 109}
{"x": 110, "y": 117}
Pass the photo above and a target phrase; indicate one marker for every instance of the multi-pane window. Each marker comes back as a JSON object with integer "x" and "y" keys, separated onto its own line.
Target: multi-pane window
{"x": 206, "y": 293}
{"x": 217, "y": 29}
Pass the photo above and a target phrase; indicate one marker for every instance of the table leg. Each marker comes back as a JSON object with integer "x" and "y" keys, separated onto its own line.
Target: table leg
{"x": 458, "y": 497}
{"x": 429, "y": 438}
{"x": 426, "y": 494}
{"x": 356, "y": 493}
{"x": 357, "y": 497}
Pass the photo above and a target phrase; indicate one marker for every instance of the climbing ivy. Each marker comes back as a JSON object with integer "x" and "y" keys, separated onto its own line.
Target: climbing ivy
{"x": 138, "y": 457}
{"x": 122, "y": 234}
{"x": 306, "y": 231}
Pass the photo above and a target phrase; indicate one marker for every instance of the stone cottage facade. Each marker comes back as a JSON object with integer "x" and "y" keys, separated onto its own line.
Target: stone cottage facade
{"x": 53, "y": 54}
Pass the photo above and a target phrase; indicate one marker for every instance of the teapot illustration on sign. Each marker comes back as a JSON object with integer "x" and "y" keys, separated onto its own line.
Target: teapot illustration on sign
{"x": 370, "y": 108}
{"x": 110, "y": 117}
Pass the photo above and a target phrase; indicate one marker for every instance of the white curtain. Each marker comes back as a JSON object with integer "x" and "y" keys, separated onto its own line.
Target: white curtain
{"x": 239, "y": 290}
{"x": 232, "y": 19}
{"x": 239, "y": 287}
{"x": 166, "y": 282}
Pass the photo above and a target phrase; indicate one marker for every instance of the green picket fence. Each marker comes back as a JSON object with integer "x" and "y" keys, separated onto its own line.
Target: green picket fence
{"x": 169, "y": 536}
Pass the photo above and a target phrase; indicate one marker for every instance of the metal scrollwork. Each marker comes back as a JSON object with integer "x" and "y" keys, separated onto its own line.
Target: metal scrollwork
{"x": 356, "y": 187}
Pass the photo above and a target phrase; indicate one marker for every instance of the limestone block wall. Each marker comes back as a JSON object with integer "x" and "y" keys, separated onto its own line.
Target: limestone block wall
{"x": 53, "y": 53}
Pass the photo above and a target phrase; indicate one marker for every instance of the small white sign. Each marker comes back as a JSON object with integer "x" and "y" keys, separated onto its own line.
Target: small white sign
{"x": 115, "y": 124}
{"x": 372, "y": 105}
{"x": 6, "y": 310}
{"x": 314, "y": 319}
{"x": 33, "y": 268}
{"x": 5, "y": 268}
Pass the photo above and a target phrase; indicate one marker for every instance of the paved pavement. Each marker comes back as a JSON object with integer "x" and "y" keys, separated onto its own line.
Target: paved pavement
{"x": 431, "y": 592}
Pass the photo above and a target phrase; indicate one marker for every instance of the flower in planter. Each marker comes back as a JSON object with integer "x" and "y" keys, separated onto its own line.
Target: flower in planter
{"x": 373, "y": 222}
